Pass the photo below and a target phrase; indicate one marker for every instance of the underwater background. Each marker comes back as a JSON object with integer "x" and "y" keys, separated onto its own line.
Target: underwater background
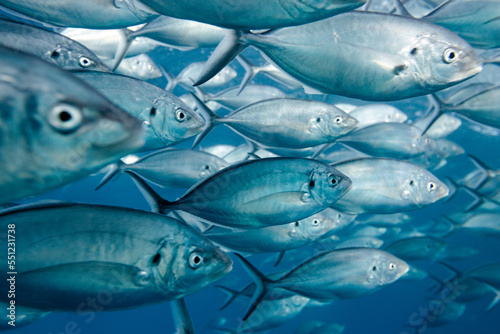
{"x": 398, "y": 308}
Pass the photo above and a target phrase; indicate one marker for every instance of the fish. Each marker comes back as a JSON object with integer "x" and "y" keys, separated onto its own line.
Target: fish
{"x": 418, "y": 248}
{"x": 131, "y": 257}
{"x": 54, "y": 128}
{"x": 93, "y": 14}
{"x": 139, "y": 67}
{"x": 479, "y": 26}
{"x": 171, "y": 168}
{"x": 50, "y": 46}
{"x": 374, "y": 60}
{"x": 377, "y": 113}
{"x": 287, "y": 123}
{"x": 168, "y": 120}
{"x": 187, "y": 76}
{"x": 382, "y": 185}
{"x": 344, "y": 273}
{"x": 238, "y": 14}
{"x": 389, "y": 140}
{"x": 273, "y": 238}
{"x": 258, "y": 193}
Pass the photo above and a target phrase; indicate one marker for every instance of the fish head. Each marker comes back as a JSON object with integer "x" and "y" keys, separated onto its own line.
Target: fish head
{"x": 334, "y": 123}
{"x": 315, "y": 226}
{"x": 394, "y": 115}
{"x": 173, "y": 121}
{"x": 212, "y": 166}
{"x": 446, "y": 148}
{"x": 327, "y": 185}
{"x": 75, "y": 60}
{"x": 423, "y": 188}
{"x": 142, "y": 66}
{"x": 386, "y": 268}
{"x": 443, "y": 59}
{"x": 190, "y": 262}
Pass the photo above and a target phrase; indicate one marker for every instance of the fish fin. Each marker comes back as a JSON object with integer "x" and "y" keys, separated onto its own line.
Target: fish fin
{"x": 322, "y": 148}
{"x": 250, "y": 72}
{"x": 279, "y": 258}
{"x": 253, "y": 156}
{"x": 158, "y": 204}
{"x": 440, "y": 283}
{"x": 172, "y": 81}
{"x": 437, "y": 8}
{"x": 229, "y": 47}
{"x": 436, "y": 103}
{"x": 484, "y": 168}
{"x": 115, "y": 169}
{"x": 260, "y": 282}
{"x": 182, "y": 319}
{"x": 211, "y": 119}
{"x": 495, "y": 300}
{"x": 452, "y": 186}
{"x": 126, "y": 38}
{"x": 455, "y": 271}
{"x": 400, "y": 9}
{"x": 232, "y": 295}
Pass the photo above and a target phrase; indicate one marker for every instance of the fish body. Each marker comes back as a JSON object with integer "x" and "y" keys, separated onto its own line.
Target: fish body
{"x": 72, "y": 251}
{"x": 92, "y": 14}
{"x": 168, "y": 119}
{"x": 52, "y": 47}
{"x": 379, "y": 57}
{"x": 139, "y": 67}
{"x": 377, "y": 113}
{"x": 54, "y": 128}
{"x": 290, "y": 123}
{"x": 382, "y": 185}
{"x": 237, "y": 14}
{"x": 418, "y": 248}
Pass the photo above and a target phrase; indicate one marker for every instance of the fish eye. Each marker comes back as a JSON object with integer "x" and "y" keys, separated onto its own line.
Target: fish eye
{"x": 315, "y": 222}
{"x": 338, "y": 120}
{"x": 431, "y": 186}
{"x": 374, "y": 268}
{"x": 65, "y": 117}
{"x": 318, "y": 119}
{"x": 413, "y": 51}
{"x": 392, "y": 266}
{"x": 412, "y": 182}
{"x": 84, "y": 62}
{"x": 332, "y": 180}
{"x": 55, "y": 54}
{"x": 180, "y": 115}
{"x": 450, "y": 55}
{"x": 195, "y": 260}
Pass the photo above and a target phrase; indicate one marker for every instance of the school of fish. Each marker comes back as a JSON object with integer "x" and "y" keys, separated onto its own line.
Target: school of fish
{"x": 364, "y": 159}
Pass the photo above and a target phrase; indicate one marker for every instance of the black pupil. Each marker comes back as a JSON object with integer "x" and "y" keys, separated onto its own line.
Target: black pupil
{"x": 196, "y": 259}
{"x": 55, "y": 54}
{"x": 413, "y": 51}
{"x": 153, "y": 111}
{"x": 318, "y": 119}
{"x": 411, "y": 182}
{"x": 451, "y": 55}
{"x": 334, "y": 181}
{"x": 374, "y": 268}
{"x": 311, "y": 184}
{"x": 181, "y": 115}
{"x": 156, "y": 259}
{"x": 64, "y": 116}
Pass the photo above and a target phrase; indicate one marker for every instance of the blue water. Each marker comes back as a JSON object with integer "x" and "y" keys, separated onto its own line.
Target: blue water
{"x": 391, "y": 310}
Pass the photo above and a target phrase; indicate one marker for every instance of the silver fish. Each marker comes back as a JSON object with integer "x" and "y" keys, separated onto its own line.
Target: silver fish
{"x": 377, "y": 113}
{"x": 188, "y": 75}
{"x": 139, "y": 67}
{"x": 140, "y": 258}
{"x": 345, "y": 273}
{"x": 54, "y": 129}
{"x": 171, "y": 168}
{"x": 238, "y": 14}
{"x": 387, "y": 186}
{"x": 54, "y": 48}
{"x": 169, "y": 121}
{"x": 92, "y": 14}
{"x": 259, "y": 193}
{"x": 375, "y": 59}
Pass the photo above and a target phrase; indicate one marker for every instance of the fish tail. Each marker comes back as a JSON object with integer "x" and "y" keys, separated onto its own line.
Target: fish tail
{"x": 232, "y": 295}
{"x": 261, "y": 283}
{"x": 172, "y": 81}
{"x": 455, "y": 271}
{"x": 211, "y": 120}
{"x": 483, "y": 168}
{"x": 250, "y": 71}
{"x": 232, "y": 44}
{"x": 158, "y": 204}
{"x": 430, "y": 118}
{"x": 126, "y": 38}
{"x": 114, "y": 170}
{"x": 495, "y": 300}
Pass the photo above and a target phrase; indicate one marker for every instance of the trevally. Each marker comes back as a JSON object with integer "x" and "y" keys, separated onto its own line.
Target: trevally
{"x": 258, "y": 193}
{"x": 257, "y": 14}
{"x": 54, "y": 128}
{"x": 171, "y": 168}
{"x": 52, "y": 47}
{"x": 380, "y": 57}
{"x": 377, "y": 113}
{"x": 168, "y": 119}
{"x": 92, "y": 14}
{"x": 73, "y": 251}
{"x": 139, "y": 67}
{"x": 382, "y": 185}
{"x": 288, "y": 123}
{"x": 332, "y": 275}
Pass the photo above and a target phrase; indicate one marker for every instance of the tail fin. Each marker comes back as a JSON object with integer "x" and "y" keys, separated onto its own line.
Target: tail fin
{"x": 172, "y": 81}
{"x": 400, "y": 9}
{"x": 260, "y": 282}
{"x": 495, "y": 300}
{"x": 127, "y": 37}
{"x": 229, "y": 47}
{"x": 426, "y": 122}
{"x": 250, "y": 71}
{"x": 182, "y": 319}
{"x": 232, "y": 295}
{"x": 210, "y": 117}
{"x": 115, "y": 169}
{"x": 158, "y": 204}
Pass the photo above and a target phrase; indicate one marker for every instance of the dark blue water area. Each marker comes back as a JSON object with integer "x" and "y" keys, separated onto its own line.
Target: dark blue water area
{"x": 399, "y": 308}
